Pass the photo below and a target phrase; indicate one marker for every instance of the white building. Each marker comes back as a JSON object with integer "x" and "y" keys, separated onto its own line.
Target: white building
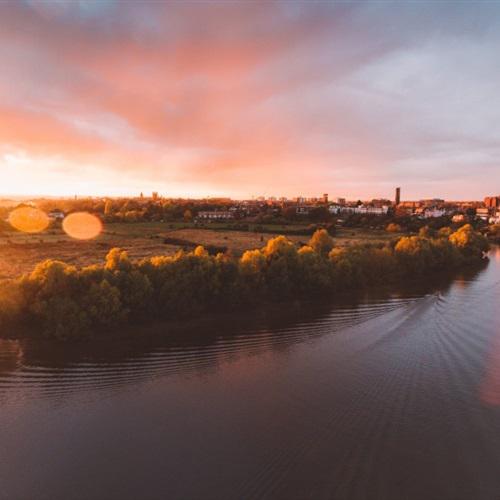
{"x": 334, "y": 209}
{"x": 458, "y": 218}
{"x": 371, "y": 210}
{"x": 483, "y": 213}
{"x": 495, "y": 219}
{"x": 216, "y": 214}
{"x": 362, "y": 209}
{"x": 434, "y": 212}
{"x": 56, "y": 215}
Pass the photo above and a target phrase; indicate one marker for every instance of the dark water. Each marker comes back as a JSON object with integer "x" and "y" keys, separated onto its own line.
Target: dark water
{"x": 396, "y": 397}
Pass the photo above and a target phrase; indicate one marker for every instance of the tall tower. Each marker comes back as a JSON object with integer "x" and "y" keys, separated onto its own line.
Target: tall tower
{"x": 398, "y": 196}
{"x": 325, "y": 198}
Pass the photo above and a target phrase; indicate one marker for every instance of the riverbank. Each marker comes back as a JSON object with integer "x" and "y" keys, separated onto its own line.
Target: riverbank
{"x": 61, "y": 301}
{"x": 21, "y": 252}
{"x": 207, "y": 328}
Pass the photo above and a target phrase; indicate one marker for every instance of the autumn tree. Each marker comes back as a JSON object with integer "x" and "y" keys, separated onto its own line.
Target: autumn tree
{"x": 321, "y": 242}
{"x": 469, "y": 241}
{"x": 393, "y": 228}
{"x": 108, "y": 208}
{"x": 188, "y": 216}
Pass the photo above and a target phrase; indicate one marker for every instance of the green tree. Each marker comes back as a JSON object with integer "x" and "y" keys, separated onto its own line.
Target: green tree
{"x": 252, "y": 268}
{"x": 281, "y": 274}
{"x": 12, "y": 303}
{"x": 135, "y": 287}
{"x": 315, "y": 271}
{"x": 103, "y": 306}
{"x": 61, "y": 317}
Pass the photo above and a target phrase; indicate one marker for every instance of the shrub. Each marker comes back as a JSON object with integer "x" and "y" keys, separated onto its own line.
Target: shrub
{"x": 393, "y": 228}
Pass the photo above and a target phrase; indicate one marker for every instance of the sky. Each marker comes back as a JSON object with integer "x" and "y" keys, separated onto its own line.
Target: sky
{"x": 242, "y": 99}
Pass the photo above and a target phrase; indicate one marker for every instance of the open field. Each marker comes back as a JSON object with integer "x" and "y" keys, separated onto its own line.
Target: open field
{"x": 19, "y": 252}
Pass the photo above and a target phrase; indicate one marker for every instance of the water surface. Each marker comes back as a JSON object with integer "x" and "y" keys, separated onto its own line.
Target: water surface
{"x": 390, "y": 397}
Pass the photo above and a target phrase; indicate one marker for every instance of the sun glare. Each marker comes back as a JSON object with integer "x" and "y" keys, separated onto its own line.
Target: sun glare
{"x": 29, "y": 220}
{"x": 82, "y": 226}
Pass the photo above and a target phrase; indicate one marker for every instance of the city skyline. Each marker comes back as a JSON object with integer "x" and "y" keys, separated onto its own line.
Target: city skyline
{"x": 241, "y": 99}
{"x": 395, "y": 200}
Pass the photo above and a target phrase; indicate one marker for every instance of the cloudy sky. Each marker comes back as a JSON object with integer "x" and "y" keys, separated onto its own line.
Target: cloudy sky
{"x": 250, "y": 98}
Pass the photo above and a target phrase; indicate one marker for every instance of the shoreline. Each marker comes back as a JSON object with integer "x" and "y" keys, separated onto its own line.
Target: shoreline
{"x": 177, "y": 328}
{"x": 62, "y": 301}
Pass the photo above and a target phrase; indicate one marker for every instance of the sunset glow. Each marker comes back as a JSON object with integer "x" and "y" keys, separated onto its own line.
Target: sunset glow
{"x": 256, "y": 98}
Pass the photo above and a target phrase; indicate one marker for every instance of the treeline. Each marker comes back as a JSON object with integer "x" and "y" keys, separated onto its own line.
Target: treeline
{"x": 406, "y": 223}
{"x": 285, "y": 228}
{"x": 136, "y": 209}
{"x": 132, "y": 210}
{"x": 59, "y": 300}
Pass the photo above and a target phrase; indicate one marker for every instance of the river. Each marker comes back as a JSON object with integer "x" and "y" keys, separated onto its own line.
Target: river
{"x": 393, "y": 396}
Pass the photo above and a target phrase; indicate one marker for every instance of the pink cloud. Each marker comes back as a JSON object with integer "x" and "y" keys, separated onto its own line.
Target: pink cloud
{"x": 243, "y": 97}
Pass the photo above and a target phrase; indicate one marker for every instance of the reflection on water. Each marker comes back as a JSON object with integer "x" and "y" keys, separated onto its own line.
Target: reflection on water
{"x": 393, "y": 396}
{"x": 48, "y": 368}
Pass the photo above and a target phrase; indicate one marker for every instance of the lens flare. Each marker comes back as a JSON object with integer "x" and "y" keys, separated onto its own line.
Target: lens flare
{"x": 29, "y": 220}
{"x": 82, "y": 226}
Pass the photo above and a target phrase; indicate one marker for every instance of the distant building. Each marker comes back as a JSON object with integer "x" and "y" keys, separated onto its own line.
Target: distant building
{"x": 483, "y": 213}
{"x": 459, "y": 218}
{"x": 409, "y": 204}
{"x": 303, "y": 210}
{"x": 348, "y": 210}
{"x": 380, "y": 202}
{"x": 404, "y": 210}
{"x": 433, "y": 202}
{"x": 216, "y": 214}
{"x": 340, "y": 201}
{"x": 362, "y": 209}
{"x": 56, "y": 214}
{"x": 397, "y": 200}
{"x": 495, "y": 219}
{"x": 430, "y": 213}
{"x": 492, "y": 202}
{"x": 325, "y": 198}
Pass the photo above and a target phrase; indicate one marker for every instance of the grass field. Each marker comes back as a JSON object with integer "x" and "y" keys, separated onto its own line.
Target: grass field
{"x": 19, "y": 252}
